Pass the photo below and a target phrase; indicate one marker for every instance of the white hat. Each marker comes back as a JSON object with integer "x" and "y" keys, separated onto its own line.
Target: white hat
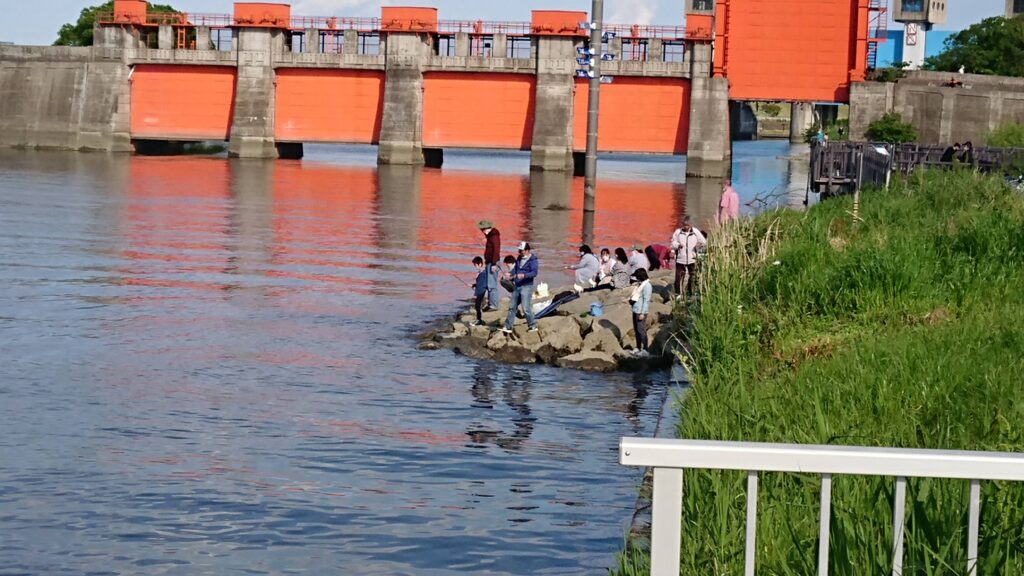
{"x": 524, "y": 246}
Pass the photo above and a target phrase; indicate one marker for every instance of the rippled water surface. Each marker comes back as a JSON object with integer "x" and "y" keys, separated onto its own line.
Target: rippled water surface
{"x": 208, "y": 366}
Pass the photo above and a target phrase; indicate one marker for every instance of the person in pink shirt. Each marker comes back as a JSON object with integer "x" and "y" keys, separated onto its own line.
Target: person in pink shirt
{"x": 729, "y": 207}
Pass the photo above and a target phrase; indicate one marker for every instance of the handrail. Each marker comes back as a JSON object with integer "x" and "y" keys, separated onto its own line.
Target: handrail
{"x": 669, "y": 458}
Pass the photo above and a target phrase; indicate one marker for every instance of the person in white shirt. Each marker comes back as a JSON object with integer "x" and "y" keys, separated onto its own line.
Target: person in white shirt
{"x": 687, "y": 241}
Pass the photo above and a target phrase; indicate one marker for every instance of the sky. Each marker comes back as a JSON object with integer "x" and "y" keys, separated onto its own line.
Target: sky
{"x": 26, "y": 22}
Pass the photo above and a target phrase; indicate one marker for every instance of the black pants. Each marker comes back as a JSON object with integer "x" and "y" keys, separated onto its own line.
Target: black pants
{"x": 640, "y": 327}
{"x": 690, "y": 272}
{"x": 479, "y": 306}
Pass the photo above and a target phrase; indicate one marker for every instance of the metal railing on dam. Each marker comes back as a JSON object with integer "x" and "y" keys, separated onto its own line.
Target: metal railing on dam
{"x": 669, "y": 458}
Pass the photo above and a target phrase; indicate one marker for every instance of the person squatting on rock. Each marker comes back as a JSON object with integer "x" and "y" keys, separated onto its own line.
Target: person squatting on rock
{"x": 492, "y": 257}
{"x": 607, "y": 264}
{"x": 641, "y": 302}
{"x": 620, "y": 270}
{"x": 686, "y": 241}
{"x": 587, "y": 270}
{"x": 526, "y": 269}
{"x": 479, "y": 289}
{"x": 638, "y": 260}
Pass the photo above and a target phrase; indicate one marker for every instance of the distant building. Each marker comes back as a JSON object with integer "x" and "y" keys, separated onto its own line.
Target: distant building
{"x": 1014, "y": 8}
{"x": 918, "y": 18}
{"x": 891, "y": 51}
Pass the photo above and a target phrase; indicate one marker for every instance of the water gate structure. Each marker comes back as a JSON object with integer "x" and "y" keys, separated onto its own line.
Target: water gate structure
{"x": 267, "y": 81}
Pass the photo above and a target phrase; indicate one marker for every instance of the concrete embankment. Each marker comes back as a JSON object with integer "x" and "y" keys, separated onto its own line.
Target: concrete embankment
{"x": 572, "y": 337}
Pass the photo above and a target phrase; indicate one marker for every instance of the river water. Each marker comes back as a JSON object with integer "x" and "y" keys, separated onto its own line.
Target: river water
{"x": 209, "y": 366}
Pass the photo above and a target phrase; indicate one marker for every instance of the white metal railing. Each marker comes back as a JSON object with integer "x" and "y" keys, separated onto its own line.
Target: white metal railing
{"x": 669, "y": 458}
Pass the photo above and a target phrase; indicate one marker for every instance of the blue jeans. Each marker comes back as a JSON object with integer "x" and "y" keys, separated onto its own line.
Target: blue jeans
{"x": 492, "y": 286}
{"x": 522, "y": 295}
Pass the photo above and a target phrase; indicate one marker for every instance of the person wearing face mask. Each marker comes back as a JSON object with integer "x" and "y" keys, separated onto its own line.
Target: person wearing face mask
{"x": 586, "y": 270}
{"x": 607, "y": 264}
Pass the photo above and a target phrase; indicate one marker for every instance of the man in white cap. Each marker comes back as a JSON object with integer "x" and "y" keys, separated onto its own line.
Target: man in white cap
{"x": 523, "y": 274}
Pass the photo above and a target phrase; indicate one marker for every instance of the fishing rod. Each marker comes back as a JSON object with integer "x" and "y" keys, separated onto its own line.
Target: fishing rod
{"x": 468, "y": 285}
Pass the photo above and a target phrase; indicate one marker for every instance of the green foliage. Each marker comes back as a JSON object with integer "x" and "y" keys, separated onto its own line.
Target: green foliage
{"x": 993, "y": 46}
{"x": 1006, "y": 136}
{"x": 892, "y": 73}
{"x": 892, "y": 129}
{"x": 80, "y": 33}
{"x": 771, "y": 109}
{"x": 905, "y": 331}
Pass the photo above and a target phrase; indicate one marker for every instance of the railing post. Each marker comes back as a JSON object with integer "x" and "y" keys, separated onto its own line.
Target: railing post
{"x": 826, "y": 524}
{"x": 666, "y": 521}
{"x": 898, "y": 524}
{"x": 751, "y": 553}
{"x": 972, "y": 528}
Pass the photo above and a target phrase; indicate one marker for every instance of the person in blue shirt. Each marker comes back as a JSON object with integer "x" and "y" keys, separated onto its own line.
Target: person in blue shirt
{"x": 523, "y": 275}
{"x": 479, "y": 289}
{"x": 640, "y": 300}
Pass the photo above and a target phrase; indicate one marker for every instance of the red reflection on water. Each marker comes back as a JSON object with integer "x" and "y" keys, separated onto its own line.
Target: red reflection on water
{"x": 361, "y": 229}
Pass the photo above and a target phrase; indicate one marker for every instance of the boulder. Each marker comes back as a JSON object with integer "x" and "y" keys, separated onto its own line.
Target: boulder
{"x": 577, "y": 307}
{"x": 460, "y": 329}
{"x": 589, "y": 361}
{"x": 584, "y": 323}
{"x": 662, "y": 311}
{"x": 603, "y": 340}
{"x": 562, "y": 334}
{"x": 482, "y": 333}
{"x": 497, "y": 341}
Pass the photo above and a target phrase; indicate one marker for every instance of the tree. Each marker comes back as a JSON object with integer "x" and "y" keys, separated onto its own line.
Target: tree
{"x": 891, "y": 129}
{"x": 80, "y": 33}
{"x": 993, "y": 46}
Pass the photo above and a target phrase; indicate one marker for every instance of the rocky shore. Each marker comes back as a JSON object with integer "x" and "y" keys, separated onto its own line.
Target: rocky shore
{"x": 571, "y": 337}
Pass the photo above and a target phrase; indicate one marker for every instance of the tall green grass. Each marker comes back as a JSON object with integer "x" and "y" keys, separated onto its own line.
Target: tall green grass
{"x": 904, "y": 330}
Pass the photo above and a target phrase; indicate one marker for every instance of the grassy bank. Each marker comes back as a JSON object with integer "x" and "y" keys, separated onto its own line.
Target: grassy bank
{"x": 906, "y": 330}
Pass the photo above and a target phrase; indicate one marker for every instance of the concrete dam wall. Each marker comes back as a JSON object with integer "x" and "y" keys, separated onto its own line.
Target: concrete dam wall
{"x": 944, "y": 107}
{"x": 67, "y": 98}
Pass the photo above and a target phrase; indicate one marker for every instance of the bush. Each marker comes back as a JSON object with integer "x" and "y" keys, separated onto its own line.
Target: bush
{"x": 891, "y": 129}
{"x": 891, "y": 74}
{"x": 771, "y": 109}
{"x": 1006, "y": 136}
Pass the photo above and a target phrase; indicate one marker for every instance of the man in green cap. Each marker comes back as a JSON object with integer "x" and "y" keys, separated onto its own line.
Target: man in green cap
{"x": 492, "y": 259}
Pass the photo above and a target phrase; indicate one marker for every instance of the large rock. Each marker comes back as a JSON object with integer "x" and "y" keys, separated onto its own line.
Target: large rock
{"x": 589, "y": 361}
{"x": 603, "y": 340}
{"x": 510, "y": 350}
{"x": 579, "y": 306}
{"x": 482, "y": 333}
{"x": 562, "y": 334}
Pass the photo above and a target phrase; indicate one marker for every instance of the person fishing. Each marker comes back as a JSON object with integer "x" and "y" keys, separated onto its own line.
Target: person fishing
{"x": 526, "y": 269}
{"x": 492, "y": 260}
{"x": 479, "y": 289}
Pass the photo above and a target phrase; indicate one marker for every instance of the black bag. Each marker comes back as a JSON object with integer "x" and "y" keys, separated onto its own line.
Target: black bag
{"x": 508, "y": 285}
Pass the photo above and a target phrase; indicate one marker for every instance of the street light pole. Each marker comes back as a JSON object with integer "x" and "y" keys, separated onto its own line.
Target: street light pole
{"x": 593, "y": 106}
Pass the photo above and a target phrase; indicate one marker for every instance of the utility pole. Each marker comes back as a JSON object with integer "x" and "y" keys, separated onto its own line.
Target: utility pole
{"x": 593, "y": 106}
